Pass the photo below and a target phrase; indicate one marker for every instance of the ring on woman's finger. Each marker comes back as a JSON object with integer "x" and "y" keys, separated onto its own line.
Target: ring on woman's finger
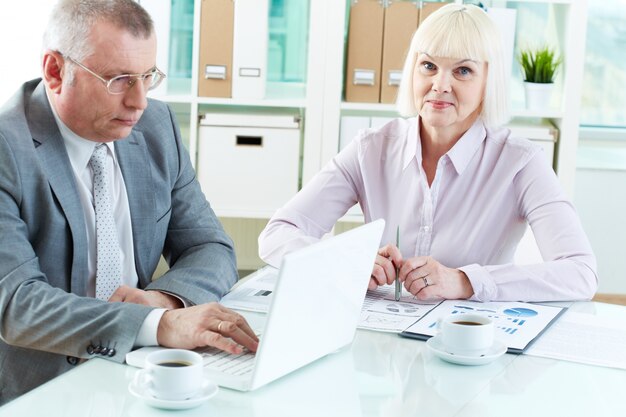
{"x": 219, "y": 327}
{"x": 426, "y": 283}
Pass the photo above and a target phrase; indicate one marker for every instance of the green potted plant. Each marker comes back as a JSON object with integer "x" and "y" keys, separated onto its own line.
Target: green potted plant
{"x": 539, "y": 67}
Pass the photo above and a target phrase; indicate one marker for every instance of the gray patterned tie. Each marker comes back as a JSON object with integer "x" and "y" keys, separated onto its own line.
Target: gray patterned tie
{"x": 108, "y": 268}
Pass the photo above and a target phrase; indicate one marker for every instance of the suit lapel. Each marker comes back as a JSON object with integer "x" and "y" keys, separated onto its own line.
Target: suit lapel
{"x": 132, "y": 155}
{"x": 56, "y": 165}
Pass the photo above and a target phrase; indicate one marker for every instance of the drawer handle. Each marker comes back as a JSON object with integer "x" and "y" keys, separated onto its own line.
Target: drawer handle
{"x": 250, "y": 140}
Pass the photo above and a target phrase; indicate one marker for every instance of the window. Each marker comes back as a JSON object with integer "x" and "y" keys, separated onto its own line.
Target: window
{"x": 604, "y": 79}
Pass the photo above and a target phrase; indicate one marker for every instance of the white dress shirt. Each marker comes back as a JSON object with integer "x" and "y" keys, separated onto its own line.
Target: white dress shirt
{"x": 79, "y": 151}
{"x": 486, "y": 190}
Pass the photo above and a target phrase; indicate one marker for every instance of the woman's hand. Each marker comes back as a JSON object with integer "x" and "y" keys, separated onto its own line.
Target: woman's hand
{"x": 384, "y": 272}
{"x": 427, "y": 279}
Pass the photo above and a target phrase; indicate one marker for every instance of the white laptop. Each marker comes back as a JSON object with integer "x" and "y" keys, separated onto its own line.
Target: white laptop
{"x": 315, "y": 309}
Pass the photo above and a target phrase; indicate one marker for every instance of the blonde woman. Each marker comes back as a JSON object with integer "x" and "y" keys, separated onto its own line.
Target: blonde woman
{"x": 461, "y": 189}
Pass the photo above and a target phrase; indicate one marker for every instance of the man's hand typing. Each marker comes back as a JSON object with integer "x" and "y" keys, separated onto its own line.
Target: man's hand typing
{"x": 206, "y": 325}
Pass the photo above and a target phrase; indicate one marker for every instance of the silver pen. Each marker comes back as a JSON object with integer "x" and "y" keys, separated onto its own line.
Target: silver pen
{"x": 398, "y": 283}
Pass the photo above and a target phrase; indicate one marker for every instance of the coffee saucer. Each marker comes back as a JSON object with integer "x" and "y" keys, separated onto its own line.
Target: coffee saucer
{"x": 495, "y": 351}
{"x": 209, "y": 389}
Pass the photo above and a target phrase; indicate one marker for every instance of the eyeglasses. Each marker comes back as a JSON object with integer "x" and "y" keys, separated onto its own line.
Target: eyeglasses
{"x": 120, "y": 84}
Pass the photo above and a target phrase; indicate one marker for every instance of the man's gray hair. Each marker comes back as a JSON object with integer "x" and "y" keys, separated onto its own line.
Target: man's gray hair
{"x": 71, "y": 21}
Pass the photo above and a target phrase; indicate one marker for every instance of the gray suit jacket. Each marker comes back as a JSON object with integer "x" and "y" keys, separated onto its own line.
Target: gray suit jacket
{"x": 46, "y": 322}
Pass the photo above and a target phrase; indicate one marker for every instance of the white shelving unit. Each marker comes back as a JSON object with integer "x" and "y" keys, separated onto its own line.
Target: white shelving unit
{"x": 567, "y": 17}
{"x": 322, "y": 107}
{"x": 322, "y": 104}
{"x": 185, "y": 93}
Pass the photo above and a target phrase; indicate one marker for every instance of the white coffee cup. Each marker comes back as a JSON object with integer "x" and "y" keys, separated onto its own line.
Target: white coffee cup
{"x": 171, "y": 374}
{"x": 467, "y": 334}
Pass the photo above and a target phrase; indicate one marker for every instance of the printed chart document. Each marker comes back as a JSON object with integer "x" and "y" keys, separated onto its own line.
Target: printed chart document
{"x": 380, "y": 310}
{"x": 254, "y": 293}
{"x": 517, "y": 324}
{"x": 383, "y": 313}
{"x": 584, "y": 338}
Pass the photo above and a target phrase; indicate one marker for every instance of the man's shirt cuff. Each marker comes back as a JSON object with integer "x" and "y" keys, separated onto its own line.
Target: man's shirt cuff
{"x": 147, "y": 335}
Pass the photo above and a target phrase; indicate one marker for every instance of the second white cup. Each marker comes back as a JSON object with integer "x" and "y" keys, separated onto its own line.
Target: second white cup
{"x": 467, "y": 334}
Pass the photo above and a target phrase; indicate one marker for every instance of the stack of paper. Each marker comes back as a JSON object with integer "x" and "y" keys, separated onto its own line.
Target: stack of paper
{"x": 584, "y": 338}
{"x": 533, "y": 129}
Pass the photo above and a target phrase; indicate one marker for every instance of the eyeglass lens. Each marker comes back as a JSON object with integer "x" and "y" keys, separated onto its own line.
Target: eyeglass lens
{"x": 122, "y": 83}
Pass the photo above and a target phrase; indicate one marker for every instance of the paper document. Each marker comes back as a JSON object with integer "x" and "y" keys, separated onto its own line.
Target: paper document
{"x": 383, "y": 313}
{"x": 517, "y": 324}
{"x": 255, "y": 293}
{"x": 584, "y": 338}
{"x": 380, "y": 310}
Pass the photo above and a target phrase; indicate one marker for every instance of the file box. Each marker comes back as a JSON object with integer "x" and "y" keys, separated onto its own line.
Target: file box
{"x": 248, "y": 165}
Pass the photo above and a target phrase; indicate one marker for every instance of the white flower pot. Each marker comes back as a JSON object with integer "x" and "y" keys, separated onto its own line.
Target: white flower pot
{"x": 538, "y": 95}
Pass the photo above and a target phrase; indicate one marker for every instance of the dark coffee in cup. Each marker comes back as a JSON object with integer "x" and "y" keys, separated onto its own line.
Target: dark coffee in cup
{"x": 175, "y": 364}
{"x": 171, "y": 374}
{"x": 468, "y": 334}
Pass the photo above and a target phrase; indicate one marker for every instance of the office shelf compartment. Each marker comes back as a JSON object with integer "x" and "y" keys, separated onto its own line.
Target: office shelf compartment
{"x": 248, "y": 164}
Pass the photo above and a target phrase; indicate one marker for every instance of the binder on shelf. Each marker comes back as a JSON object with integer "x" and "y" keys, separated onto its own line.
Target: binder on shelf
{"x": 250, "y": 41}
{"x": 428, "y": 8}
{"x": 350, "y": 127}
{"x": 365, "y": 44}
{"x": 216, "y": 48}
{"x": 401, "y": 20}
{"x": 377, "y": 122}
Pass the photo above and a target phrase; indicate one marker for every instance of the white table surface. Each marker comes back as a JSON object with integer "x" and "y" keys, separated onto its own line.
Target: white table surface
{"x": 380, "y": 374}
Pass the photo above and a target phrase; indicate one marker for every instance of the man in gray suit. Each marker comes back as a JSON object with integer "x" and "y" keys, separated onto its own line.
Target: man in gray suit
{"x": 98, "y": 64}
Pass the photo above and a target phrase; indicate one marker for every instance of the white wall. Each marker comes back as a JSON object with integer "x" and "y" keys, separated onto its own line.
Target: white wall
{"x": 21, "y": 30}
{"x": 600, "y": 198}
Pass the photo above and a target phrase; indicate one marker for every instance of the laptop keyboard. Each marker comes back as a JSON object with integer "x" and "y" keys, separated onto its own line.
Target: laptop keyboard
{"x": 228, "y": 363}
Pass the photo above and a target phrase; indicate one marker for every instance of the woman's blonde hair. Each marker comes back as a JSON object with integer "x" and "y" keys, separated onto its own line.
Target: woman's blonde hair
{"x": 461, "y": 32}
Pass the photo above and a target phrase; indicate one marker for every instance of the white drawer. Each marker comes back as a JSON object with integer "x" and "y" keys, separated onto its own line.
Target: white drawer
{"x": 247, "y": 170}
